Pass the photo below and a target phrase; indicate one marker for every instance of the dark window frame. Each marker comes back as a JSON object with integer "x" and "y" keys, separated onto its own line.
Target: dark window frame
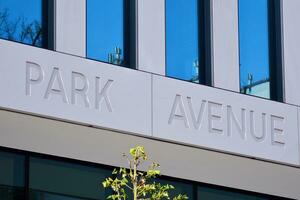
{"x": 204, "y": 14}
{"x": 48, "y": 21}
{"x": 276, "y": 52}
{"x": 129, "y": 34}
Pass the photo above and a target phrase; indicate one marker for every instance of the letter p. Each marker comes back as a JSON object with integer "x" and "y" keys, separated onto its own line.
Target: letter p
{"x": 34, "y": 75}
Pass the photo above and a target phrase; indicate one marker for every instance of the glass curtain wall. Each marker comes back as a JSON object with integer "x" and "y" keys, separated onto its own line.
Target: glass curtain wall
{"x": 217, "y": 194}
{"x": 257, "y": 47}
{"x": 111, "y": 31}
{"x": 185, "y": 40}
{"x": 12, "y": 176}
{"x": 25, "y": 21}
{"x": 32, "y": 177}
{"x": 55, "y": 180}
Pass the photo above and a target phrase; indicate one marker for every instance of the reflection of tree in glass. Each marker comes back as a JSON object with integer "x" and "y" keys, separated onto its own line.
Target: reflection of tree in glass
{"x": 20, "y": 29}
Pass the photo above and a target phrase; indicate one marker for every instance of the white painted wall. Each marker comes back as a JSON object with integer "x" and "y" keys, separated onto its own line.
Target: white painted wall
{"x": 291, "y": 46}
{"x": 71, "y": 27}
{"x": 225, "y": 45}
{"x": 151, "y": 36}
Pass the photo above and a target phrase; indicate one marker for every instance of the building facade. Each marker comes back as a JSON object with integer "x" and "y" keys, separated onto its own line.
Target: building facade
{"x": 208, "y": 87}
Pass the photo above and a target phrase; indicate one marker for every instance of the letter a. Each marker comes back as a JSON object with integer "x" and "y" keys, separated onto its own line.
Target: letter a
{"x": 178, "y": 104}
{"x": 55, "y": 76}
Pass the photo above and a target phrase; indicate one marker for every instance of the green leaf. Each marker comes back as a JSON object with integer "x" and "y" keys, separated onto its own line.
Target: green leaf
{"x": 124, "y": 181}
{"x": 115, "y": 171}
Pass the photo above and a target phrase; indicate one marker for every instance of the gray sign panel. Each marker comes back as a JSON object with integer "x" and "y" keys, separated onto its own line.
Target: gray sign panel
{"x": 226, "y": 121}
{"x": 75, "y": 89}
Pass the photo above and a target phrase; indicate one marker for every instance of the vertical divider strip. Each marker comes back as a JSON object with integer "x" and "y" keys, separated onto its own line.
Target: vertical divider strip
{"x": 152, "y": 105}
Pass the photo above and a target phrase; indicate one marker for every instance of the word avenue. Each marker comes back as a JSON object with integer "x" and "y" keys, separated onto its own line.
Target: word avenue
{"x": 217, "y": 118}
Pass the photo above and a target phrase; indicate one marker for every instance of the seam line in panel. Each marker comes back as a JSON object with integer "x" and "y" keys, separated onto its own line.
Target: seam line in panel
{"x": 152, "y": 105}
{"x": 298, "y": 136}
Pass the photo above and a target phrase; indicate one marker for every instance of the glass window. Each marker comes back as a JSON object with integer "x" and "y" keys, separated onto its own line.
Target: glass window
{"x": 184, "y": 43}
{"x": 24, "y": 21}
{"x": 180, "y": 188}
{"x": 110, "y": 31}
{"x": 12, "y": 176}
{"x": 207, "y": 193}
{"x": 51, "y": 180}
{"x": 256, "y": 47}
{"x": 48, "y": 179}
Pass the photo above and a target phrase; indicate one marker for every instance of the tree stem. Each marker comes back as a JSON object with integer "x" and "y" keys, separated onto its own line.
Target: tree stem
{"x": 135, "y": 181}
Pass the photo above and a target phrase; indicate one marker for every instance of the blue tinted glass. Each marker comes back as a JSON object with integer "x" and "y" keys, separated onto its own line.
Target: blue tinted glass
{"x": 182, "y": 39}
{"x": 105, "y": 30}
{"x": 254, "y": 47}
{"x": 21, "y": 21}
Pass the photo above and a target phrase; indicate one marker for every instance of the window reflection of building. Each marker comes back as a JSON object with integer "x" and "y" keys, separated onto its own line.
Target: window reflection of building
{"x": 258, "y": 88}
{"x": 254, "y": 43}
{"x": 111, "y": 31}
{"x": 182, "y": 39}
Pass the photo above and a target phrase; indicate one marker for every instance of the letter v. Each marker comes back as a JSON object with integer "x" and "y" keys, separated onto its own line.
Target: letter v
{"x": 196, "y": 122}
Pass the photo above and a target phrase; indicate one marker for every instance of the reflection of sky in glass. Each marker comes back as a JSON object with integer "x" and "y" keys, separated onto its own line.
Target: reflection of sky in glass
{"x": 105, "y": 29}
{"x": 28, "y": 11}
{"x": 254, "y": 42}
{"x": 181, "y": 38}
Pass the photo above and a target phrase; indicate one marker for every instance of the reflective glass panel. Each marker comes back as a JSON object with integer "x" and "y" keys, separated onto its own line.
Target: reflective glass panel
{"x": 206, "y": 193}
{"x": 12, "y": 176}
{"x": 51, "y": 180}
{"x": 254, "y": 47}
{"x": 182, "y": 52}
{"x": 106, "y": 31}
{"x": 180, "y": 188}
{"x": 22, "y": 21}
{"x": 42, "y": 195}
